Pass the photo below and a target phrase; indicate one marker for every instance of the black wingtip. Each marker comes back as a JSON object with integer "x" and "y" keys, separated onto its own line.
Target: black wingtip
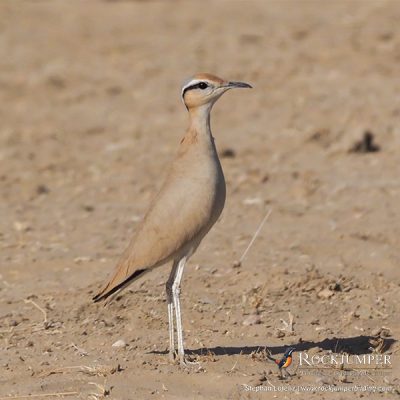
{"x": 96, "y": 298}
{"x": 105, "y": 294}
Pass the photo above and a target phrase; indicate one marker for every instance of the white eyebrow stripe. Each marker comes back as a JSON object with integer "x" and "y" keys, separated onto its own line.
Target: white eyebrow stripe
{"x": 191, "y": 83}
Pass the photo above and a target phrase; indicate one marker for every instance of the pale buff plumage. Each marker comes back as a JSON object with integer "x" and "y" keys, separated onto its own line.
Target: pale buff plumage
{"x": 189, "y": 202}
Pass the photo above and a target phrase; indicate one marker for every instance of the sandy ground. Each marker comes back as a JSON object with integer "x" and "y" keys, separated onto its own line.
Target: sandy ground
{"x": 91, "y": 114}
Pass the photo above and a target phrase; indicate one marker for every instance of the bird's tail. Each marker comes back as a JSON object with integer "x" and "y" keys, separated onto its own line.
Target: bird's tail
{"x": 111, "y": 290}
{"x": 269, "y": 356}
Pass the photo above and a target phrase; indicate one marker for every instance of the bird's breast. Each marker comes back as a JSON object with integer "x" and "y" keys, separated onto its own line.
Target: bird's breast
{"x": 201, "y": 177}
{"x": 187, "y": 206}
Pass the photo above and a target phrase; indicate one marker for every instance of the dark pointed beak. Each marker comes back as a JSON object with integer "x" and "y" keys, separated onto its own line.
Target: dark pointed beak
{"x": 233, "y": 85}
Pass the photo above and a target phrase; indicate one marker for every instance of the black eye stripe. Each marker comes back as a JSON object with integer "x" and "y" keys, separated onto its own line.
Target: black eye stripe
{"x": 199, "y": 85}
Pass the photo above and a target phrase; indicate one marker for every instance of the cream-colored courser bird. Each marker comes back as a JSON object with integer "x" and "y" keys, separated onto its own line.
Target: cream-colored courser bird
{"x": 187, "y": 206}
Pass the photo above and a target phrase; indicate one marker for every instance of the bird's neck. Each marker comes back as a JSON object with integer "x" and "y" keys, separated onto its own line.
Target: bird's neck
{"x": 199, "y": 120}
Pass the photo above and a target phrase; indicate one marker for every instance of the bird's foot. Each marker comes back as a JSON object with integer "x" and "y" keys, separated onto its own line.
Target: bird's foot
{"x": 171, "y": 356}
{"x": 184, "y": 361}
{"x": 188, "y": 364}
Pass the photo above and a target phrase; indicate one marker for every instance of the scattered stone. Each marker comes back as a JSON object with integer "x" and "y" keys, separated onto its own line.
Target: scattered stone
{"x": 258, "y": 380}
{"x": 56, "y": 81}
{"x": 250, "y": 38}
{"x": 119, "y": 343}
{"x": 279, "y": 334}
{"x": 265, "y": 178}
{"x": 206, "y": 300}
{"x": 364, "y": 311}
{"x": 377, "y": 345}
{"x": 376, "y": 332}
{"x": 380, "y": 332}
{"x": 325, "y": 293}
{"x": 42, "y": 189}
{"x": 324, "y": 380}
{"x": 336, "y": 287}
{"x": 391, "y": 380}
{"x": 386, "y": 36}
{"x": 323, "y": 137}
{"x": 385, "y": 332}
{"x": 253, "y": 319}
{"x": 237, "y": 264}
{"x": 21, "y": 226}
{"x": 114, "y": 90}
{"x": 82, "y": 259}
{"x": 365, "y": 145}
{"x": 250, "y": 201}
{"x": 81, "y": 352}
{"x": 227, "y": 153}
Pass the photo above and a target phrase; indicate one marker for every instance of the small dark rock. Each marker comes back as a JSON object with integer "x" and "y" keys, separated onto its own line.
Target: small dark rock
{"x": 237, "y": 264}
{"x": 114, "y": 90}
{"x": 279, "y": 334}
{"x": 337, "y": 287}
{"x": 56, "y": 81}
{"x": 252, "y": 319}
{"x": 227, "y": 153}
{"x": 386, "y": 36}
{"x": 265, "y": 178}
{"x": 365, "y": 145}
{"x": 42, "y": 189}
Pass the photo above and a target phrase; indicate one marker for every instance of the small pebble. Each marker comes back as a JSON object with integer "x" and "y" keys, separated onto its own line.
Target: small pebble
{"x": 325, "y": 294}
{"x": 42, "y": 189}
{"x": 279, "y": 334}
{"x": 119, "y": 343}
{"x": 253, "y": 319}
{"x": 227, "y": 153}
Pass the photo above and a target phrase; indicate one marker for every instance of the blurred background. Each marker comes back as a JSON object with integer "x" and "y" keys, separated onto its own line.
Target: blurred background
{"x": 91, "y": 116}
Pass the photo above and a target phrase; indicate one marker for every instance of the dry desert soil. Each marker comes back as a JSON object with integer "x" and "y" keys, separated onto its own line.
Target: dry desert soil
{"x": 91, "y": 116}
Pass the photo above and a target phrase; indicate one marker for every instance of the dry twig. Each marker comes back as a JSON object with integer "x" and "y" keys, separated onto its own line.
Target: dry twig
{"x": 99, "y": 370}
{"x": 103, "y": 391}
{"x": 30, "y": 396}
{"x": 27, "y": 301}
{"x": 256, "y": 233}
{"x": 288, "y": 326}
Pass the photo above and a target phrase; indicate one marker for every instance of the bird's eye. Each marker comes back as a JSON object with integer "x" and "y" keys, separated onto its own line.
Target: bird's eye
{"x": 203, "y": 85}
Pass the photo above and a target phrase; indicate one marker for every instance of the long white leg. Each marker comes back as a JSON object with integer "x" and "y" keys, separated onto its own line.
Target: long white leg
{"x": 171, "y": 331}
{"x": 170, "y": 302}
{"x": 175, "y": 293}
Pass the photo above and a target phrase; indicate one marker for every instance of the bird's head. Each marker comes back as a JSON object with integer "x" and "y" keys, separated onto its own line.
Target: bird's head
{"x": 206, "y": 89}
{"x": 289, "y": 351}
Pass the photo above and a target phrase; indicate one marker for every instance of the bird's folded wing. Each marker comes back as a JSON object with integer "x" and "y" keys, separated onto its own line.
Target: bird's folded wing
{"x": 176, "y": 219}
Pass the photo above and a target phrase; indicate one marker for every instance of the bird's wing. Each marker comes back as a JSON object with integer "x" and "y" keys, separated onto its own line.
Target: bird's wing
{"x": 178, "y": 216}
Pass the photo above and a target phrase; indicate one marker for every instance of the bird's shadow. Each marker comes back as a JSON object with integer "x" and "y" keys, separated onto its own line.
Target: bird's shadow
{"x": 350, "y": 345}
